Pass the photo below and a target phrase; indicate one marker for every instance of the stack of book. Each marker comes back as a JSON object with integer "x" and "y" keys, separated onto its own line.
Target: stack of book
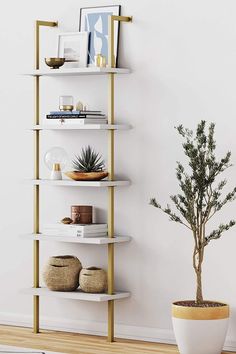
{"x": 75, "y": 230}
{"x": 77, "y": 117}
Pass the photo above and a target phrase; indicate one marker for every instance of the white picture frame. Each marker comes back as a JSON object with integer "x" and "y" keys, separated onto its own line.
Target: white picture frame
{"x": 73, "y": 46}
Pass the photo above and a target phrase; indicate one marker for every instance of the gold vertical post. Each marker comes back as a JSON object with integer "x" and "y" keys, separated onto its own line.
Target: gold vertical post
{"x": 36, "y": 172}
{"x": 111, "y": 120}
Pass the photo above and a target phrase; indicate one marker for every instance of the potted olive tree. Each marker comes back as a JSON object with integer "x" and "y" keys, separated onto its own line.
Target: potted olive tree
{"x": 200, "y": 325}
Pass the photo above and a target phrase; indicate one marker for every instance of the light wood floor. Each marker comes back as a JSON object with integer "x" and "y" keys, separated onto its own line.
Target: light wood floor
{"x": 72, "y": 343}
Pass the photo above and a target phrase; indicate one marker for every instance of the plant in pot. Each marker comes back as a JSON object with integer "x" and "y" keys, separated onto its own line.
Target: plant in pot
{"x": 88, "y": 166}
{"x": 200, "y": 326}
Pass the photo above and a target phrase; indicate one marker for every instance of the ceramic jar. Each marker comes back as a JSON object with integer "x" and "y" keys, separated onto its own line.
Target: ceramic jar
{"x": 82, "y": 214}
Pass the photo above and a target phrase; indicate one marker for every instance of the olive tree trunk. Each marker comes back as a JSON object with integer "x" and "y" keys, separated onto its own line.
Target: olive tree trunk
{"x": 198, "y": 254}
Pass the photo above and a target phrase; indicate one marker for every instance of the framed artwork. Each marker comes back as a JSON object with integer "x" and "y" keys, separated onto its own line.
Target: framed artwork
{"x": 73, "y": 46}
{"x": 95, "y": 21}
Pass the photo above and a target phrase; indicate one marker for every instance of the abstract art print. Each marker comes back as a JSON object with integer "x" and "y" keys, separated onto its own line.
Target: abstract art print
{"x": 95, "y": 21}
{"x": 73, "y": 46}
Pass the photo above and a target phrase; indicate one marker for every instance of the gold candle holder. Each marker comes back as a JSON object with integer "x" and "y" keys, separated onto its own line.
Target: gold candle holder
{"x": 66, "y": 103}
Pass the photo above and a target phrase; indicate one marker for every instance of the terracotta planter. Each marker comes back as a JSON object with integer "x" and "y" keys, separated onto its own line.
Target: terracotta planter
{"x": 93, "y": 280}
{"x": 62, "y": 273}
{"x": 200, "y": 330}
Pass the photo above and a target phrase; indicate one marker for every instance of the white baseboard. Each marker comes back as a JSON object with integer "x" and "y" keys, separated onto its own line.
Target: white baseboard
{"x": 99, "y": 328}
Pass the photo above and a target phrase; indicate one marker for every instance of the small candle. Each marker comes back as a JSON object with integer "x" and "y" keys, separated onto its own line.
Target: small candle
{"x": 66, "y": 103}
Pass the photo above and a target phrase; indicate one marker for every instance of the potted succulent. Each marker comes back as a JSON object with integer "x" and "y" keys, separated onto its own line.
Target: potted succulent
{"x": 88, "y": 166}
{"x": 200, "y": 326}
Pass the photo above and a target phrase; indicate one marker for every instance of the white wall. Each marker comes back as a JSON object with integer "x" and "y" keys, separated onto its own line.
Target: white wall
{"x": 182, "y": 54}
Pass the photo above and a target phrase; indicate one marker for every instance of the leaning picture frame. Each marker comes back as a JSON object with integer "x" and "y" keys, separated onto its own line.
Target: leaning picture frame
{"x": 95, "y": 21}
{"x": 73, "y": 46}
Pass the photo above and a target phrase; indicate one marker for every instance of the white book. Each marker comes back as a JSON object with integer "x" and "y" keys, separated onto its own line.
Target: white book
{"x": 72, "y": 232}
{"x": 80, "y": 121}
{"x": 57, "y": 233}
{"x": 77, "y": 227}
{"x": 99, "y": 234}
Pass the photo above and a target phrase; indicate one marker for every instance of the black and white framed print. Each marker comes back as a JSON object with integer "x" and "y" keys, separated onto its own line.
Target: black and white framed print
{"x": 73, "y": 46}
{"x": 95, "y": 21}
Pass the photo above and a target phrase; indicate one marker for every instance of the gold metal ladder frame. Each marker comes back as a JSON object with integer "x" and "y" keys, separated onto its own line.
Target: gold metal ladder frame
{"x": 111, "y": 120}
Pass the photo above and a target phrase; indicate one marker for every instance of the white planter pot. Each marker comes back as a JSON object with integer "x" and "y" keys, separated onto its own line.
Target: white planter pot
{"x": 200, "y": 330}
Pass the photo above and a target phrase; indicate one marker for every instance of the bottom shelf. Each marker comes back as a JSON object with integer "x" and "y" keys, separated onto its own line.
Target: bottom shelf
{"x": 89, "y": 240}
{"x": 76, "y": 295}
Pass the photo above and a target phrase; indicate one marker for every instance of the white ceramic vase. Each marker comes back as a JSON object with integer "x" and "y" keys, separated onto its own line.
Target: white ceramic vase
{"x": 200, "y": 330}
{"x": 56, "y": 175}
{"x": 56, "y": 172}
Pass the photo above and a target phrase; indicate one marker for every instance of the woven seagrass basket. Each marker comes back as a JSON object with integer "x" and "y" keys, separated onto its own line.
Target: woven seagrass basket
{"x": 61, "y": 273}
{"x": 93, "y": 280}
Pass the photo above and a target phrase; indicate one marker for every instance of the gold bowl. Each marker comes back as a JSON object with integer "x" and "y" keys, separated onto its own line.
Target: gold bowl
{"x": 86, "y": 176}
{"x": 54, "y": 63}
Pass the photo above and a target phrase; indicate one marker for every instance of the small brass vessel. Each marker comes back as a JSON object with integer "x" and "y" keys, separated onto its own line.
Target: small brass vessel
{"x": 54, "y": 63}
{"x": 66, "y": 107}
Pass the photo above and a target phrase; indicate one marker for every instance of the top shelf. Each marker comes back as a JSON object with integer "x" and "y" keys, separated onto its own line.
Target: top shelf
{"x": 78, "y": 71}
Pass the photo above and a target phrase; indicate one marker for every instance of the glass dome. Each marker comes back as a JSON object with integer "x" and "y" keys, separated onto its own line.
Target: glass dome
{"x": 56, "y": 155}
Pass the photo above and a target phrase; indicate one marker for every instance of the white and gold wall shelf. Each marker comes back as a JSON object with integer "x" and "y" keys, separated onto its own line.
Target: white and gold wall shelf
{"x": 111, "y": 71}
{"x": 78, "y": 71}
{"x": 77, "y": 295}
{"x": 82, "y": 240}
{"x": 82, "y": 127}
{"x": 71, "y": 183}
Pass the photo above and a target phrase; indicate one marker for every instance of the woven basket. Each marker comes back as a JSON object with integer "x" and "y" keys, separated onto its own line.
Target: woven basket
{"x": 62, "y": 273}
{"x": 93, "y": 280}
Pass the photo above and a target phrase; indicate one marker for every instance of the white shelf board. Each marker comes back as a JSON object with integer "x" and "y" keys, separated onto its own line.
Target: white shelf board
{"x": 75, "y": 295}
{"x": 82, "y": 127}
{"x": 77, "y": 71}
{"x": 70, "y": 183}
{"x": 89, "y": 240}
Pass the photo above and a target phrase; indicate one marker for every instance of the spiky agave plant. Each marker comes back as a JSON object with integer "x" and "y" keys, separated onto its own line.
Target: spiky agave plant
{"x": 88, "y": 161}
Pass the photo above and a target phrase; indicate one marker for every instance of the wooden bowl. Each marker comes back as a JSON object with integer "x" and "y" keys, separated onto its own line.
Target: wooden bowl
{"x": 54, "y": 63}
{"x": 86, "y": 176}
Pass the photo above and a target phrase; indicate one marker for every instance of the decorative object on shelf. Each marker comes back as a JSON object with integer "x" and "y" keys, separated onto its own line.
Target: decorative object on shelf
{"x": 95, "y": 21}
{"x": 56, "y": 159}
{"x": 79, "y": 106}
{"x": 86, "y": 176}
{"x": 104, "y": 62}
{"x": 200, "y": 321}
{"x": 62, "y": 273}
{"x": 93, "y": 280}
{"x": 56, "y": 172}
{"x": 82, "y": 214}
{"x": 54, "y": 63}
{"x": 73, "y": 46}
{"x": 100, "y": 61}
{"x": 66, "y": 103}
{"x": 86, "y": 107}
{"x": 66, "y": 221}
{"x": 88, "y": 166}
